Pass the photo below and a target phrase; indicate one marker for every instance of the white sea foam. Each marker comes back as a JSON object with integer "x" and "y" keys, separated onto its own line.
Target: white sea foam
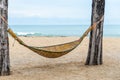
{"x": 25, "y": 33}
{"x": 61, "y": 30}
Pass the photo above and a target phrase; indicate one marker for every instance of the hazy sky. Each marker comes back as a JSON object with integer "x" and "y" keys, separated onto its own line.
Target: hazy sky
{"x": 72, "y": 12}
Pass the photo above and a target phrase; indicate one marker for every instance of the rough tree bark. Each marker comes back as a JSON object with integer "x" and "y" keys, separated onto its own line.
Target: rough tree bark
{"x": 95, "y": 45}
{"x": 4, "y": 44}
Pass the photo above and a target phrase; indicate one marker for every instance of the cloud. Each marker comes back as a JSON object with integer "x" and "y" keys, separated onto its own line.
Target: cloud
{"x": 59, "y": 12}
{"x": 71, "y": 9}
{"x": 49, "y": 9}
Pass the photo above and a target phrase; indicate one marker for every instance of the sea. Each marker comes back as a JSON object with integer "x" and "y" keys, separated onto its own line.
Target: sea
{"x": 61, "y": 30}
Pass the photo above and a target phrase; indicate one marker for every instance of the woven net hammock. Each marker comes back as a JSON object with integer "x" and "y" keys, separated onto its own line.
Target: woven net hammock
{"x": 53, "y": 51}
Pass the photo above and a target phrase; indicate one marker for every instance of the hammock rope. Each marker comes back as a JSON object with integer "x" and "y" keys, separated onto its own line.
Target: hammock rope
{"x": 53, "y": 51}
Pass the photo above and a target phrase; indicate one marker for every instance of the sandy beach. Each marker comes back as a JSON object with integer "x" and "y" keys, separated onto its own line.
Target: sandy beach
{"x": 27, "y": 65}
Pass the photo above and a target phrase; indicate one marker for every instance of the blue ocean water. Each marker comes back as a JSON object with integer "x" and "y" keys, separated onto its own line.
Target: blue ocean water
{"x": 61, "y": 30}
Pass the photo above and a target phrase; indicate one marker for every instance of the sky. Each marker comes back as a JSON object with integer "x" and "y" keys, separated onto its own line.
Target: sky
{"x": 59, "y": 12}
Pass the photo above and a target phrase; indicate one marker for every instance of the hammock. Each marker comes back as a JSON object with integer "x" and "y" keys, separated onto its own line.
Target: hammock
{"x": 53, "y": 51}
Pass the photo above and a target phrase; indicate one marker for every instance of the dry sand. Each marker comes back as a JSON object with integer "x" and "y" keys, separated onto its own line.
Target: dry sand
{"x": 27, "y": 65}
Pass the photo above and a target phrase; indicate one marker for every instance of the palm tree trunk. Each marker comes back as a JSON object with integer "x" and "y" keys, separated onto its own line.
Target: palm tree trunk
{"x": 4, "y": 44}
{"x": 96, "y": 36}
